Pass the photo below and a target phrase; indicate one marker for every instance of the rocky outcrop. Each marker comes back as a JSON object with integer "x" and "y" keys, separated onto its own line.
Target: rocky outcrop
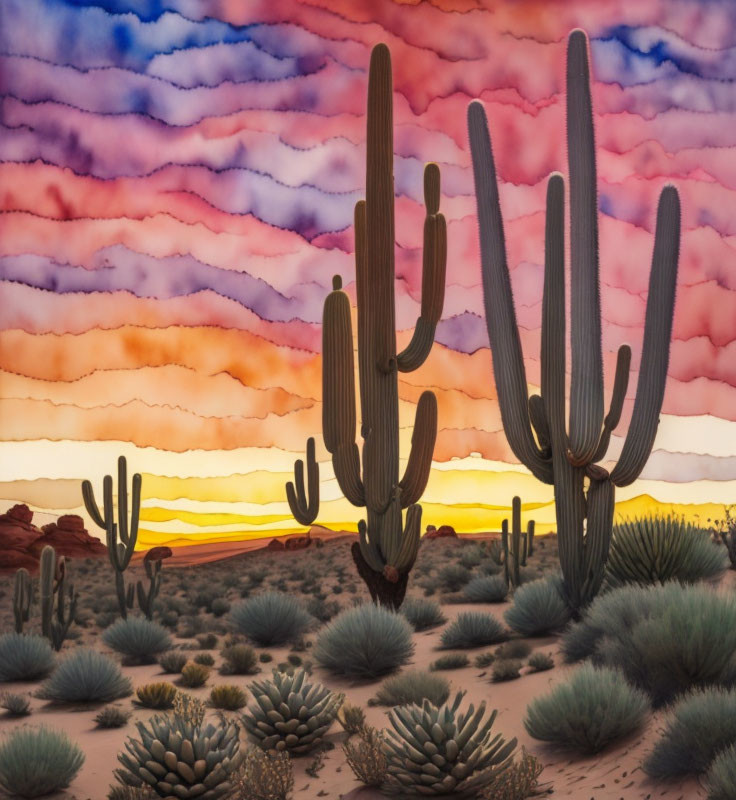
{"x": 21, "y": 542}
{"x": 443, "y": 532}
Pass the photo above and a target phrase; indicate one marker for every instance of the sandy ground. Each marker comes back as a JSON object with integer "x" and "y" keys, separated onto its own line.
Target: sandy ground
{"x": 613, "y": 775}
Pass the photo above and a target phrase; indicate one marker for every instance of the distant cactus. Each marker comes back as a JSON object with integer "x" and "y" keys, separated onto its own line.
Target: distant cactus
{"x": 304, "y": 502}
{"x": 152, "y": 563}
{"x": 516, "y": 547}
{"x": 55, "y": 595}
{"x": 388, "y": 546}
{"x": 120, "y": 537}
{"x": 535, "y": 427}
{"x": 22, "y": 596}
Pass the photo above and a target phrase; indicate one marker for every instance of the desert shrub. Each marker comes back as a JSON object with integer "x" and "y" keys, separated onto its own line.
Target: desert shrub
{"x": 270, "y": 619}
{"x": 25, "y": 657}
{"x": 322, "y": 609}
{"x": 659, "y": 549}
{"x": 452, "y": 577}
{"x": 239, "y": 659}
{"x": 515, "y": 648}
{"x": 486, "y": 589}
{"x": 721, "y": 777}
{"x": 112, "y": 717}
{"x": 156, "y": 695}
{"x": 194, "y": 675}
{"x": 471, "y": 556}
{"x": 366, "y": 756}
{"x": 205, "y": 659}
{"x": 540, "y": 662}
{"x": 85, "y": 676}
{"x": 414, "y": 686}
{"x": 265, "y": 658}
{"x": 506, "y": 669}
{"x": 449, "y": 661}
{"x": 207, "y": 641}
{"x": 130, "y": 793}
{"x": 290, "y": 713}
{"x": 483, "y": 660}
{"x": 364, "y": 642}
{"x": 138, "y": 639}
{"x": 219, "y": 606}
{"x": 351, "y": 717}
{"x": 422, "y": 614}
{"x": 172, "y": 661}
{"x": 472, "y": 629}
{"x": 17, "y": 705}
{"x": 38, "y": 761}
{"x": 698, "y": 727}
{"x": 471, "y": 755}
{"x": 666, "y": 639}
{"x": 539, "y": 608}
{"x": 228, "y": 697}
{"x": 264, "y": 776}
{"x": 589, "y": 711}
{"x": 517, "y": 782}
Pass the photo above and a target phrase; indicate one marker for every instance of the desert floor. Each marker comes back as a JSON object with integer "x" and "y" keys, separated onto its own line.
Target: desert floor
{"x": 615, "y": 774}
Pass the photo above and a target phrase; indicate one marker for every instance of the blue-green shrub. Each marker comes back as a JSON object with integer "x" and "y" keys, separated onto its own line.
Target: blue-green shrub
{"x": 486, "y": 589}
{"x": 698, "y": 727}
{"x": 38, "y": 761}
{"x": 665, "y": 639}
{"x": 660, "y": 549}
{"x": 270, "y": 619}
{"x": 25, "y": 657}
{"x": 472, "y": 629}
{"x": 452, "y": 577}
{"x": 539, "y": 608}
{"x": 589, "y": 711}
{"x": 138, "y": 639}
{"x": 721, "y": 777}
{"x": 85, "y": 676}
{"x": 422, "y": 614}
{"x": 364, "y": 642}
{"x": 414, "y": 686}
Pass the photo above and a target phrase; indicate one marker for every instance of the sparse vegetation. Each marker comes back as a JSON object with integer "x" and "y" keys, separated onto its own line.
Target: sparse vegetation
{"x": 113, "y": 717}
{"x": 422, "y": 614}
{"x": 138, "y": 639}
{"x": 239, "y": 659}
{"x": 264, "y": 776}
{"x": 517, "y": 782}
{"x": 486, "y": 589}
{"x": 365, "y": 756}
{"x": 414, "y": 686}
{"x": 540, "y": 662}
{"x": 194, "y": 675}
{"x": 721, "y": 777}
{"x": 172, "y": 661}
{"x": 38, "y": 761}
{"x": 472, "y": 629}
{"x": 228, "y": 697}
{"x": 505, "y": 669}
{"x": 539, "y": 608}
{"x": 16, "y": 705}
{"x": 589, "y": 711}
{"x": 85, "y": 676}
{"x": 25, "y": 657}
{"x": 449, "y": 661}
{"x": 270, "y": 619}
{"x": 156, "y": 695}
{"x": 351, "y": 717}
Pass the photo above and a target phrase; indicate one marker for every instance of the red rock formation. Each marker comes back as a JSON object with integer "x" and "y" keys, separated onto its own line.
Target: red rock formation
{"x": 443, "y": 532}
{"x": 275, "y": 544}
{"x": 69, "y": 538}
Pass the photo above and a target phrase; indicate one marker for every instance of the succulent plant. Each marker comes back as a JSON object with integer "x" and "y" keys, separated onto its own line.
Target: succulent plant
{"x": 436, "y": 750}
{"x": 289, "y": 713}
{"x": 178, "y": 758}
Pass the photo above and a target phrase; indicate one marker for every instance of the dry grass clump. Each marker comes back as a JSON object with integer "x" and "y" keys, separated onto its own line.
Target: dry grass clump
{"x": 263, "y": 776}
{"x": 365, "y": 756}
{"x": 194, "y": 675}
{"x": 156, "y": 695}
{"x": 351, "y": 717}
{"x": 518, "y": 781}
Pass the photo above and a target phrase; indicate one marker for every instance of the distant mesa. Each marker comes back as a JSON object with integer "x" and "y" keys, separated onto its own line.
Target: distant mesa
{"x": 21, "y": 542}
{"x": 443, "y": 532}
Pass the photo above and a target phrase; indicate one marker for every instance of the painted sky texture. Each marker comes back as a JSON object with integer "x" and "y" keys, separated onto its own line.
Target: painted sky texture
{"x": 177, "y": 181}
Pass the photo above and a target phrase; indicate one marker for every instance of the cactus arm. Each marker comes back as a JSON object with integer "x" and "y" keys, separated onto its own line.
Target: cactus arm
{"x": 656, "y": 348}
{"x": 553, "y": 355}
{"x": 346, "y": 464}
{"x": 620, "y": 385}
{"x": 369, "y": 549}
{"x": 90, "y": 504}
{"x": 423, "y": 438}
{"x": 135, "y": 511}
{"x": 410, "y": 539}
{"x": 586, "y": 382}
{"x": 598, "y": 535}
{"x": 433, "y": 276}
{"x": 503, "y": 332}
{"x": 123, "y": 500}
{"x": 539, "y": 423}
{"x": 305, "y": 510}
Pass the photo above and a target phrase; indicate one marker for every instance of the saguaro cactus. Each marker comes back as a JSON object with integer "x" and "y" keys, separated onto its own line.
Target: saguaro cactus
{"x": 387, "y": 546}
{"x": 22, "y": 596}
{"x": 305, "y": 510}
{"x": 119, "y": 552}
{"x": 55, "y": 592}
{"x": 517, "y": 546}
{"x": 535, "y": 426}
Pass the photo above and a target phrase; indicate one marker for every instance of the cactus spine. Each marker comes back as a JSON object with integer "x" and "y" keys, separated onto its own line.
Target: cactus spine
{"x": 54, "y": 591}
{"x": 121, "y": 537}
{"x": 535, "y": 426}
{"x": 387, "y": 546}
{"x": 22, "y": 596}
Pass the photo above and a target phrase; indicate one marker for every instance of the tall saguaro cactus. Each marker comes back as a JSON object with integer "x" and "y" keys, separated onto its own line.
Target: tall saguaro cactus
{"x": 535, "y": 426}
{"x": 387, "y": 545}
{"x": 121, "y": 537}
{"x": 54, "y": 591}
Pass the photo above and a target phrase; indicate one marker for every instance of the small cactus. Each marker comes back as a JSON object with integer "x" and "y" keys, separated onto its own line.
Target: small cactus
{"x": 22, "y": 595}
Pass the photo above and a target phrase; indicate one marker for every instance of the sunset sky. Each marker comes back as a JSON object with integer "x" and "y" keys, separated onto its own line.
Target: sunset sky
{"x": 177, "y": 181}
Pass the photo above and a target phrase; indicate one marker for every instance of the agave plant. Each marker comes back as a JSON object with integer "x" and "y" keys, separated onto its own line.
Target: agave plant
{"x": 179, "y": 757}
{"x": 437, "y": 751}
{"x": 290, "y": 713}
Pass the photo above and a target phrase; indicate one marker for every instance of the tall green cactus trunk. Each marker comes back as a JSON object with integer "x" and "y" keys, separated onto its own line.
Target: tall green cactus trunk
{"x": 121, "y": 536}
{"x": 556, "y": 453}
{"x": 22, "y": 597}
{"x": 387, "y": 546}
